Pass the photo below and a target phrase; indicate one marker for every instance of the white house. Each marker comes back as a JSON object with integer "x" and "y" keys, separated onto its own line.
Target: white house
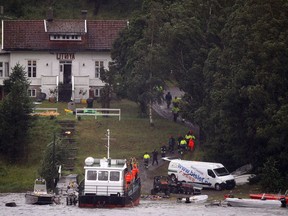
{"x": 66, "y": 54}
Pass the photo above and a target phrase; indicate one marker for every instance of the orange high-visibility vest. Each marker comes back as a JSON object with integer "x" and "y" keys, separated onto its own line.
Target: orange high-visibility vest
{"x": 135, "y": 171}
{"x": 128, "y": 177}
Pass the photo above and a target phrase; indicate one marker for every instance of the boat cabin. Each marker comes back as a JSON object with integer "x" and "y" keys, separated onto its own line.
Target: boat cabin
{"x": 40, "y": 186}
{"x": 104, "y": 177}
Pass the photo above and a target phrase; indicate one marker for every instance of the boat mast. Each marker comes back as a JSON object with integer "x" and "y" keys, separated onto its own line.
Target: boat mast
{"x": 108, "y": 144}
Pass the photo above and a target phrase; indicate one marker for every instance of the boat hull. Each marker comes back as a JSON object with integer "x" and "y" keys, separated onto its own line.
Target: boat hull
{"x": 269, "y": 197}
{"x": 194, "y": 199}
{"x": 42, "y": 199}
{"x": 253, "y": 203}
{"x": 130, "y": 199}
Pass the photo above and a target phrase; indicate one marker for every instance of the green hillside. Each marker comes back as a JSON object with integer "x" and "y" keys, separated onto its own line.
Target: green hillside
{"x": 130, "y": 137}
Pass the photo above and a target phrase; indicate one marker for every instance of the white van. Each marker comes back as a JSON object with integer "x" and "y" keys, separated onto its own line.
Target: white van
{"x": 205, "y": 174}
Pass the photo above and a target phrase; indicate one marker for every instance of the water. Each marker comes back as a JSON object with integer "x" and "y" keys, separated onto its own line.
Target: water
{"x": 147, "y": 207}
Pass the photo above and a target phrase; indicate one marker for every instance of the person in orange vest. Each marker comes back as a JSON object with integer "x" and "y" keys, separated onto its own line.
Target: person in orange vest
{"x": 191, "y": 144}
{"x": 135, "y": 171}
{"x": 128, "y": 177}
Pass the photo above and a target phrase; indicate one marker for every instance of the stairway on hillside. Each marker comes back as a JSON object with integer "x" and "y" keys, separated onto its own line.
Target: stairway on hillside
{"x": 67, "y": 135}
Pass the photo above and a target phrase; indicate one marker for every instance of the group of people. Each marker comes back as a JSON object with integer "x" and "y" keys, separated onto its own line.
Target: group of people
{"x": 182, "y": 143}
{"x": 131, "y": 172}
{"x": 176, "y": 105}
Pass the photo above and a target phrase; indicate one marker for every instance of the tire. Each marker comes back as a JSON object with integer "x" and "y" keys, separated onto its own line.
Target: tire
{"x": 153, "y": 192}
{"x": 218, "y": 187}
{"x": 167, "y": 193}
{"x": 173, "y": 178}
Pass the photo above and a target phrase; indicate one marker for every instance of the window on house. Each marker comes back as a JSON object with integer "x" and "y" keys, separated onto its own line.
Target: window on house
{"x": 65, "y": 37}
{"x": 31, "y": 68}
{"x": 6, "y": 69}
{"x": 98, "y": 66}
{"x": 97, "y": 93}
{"x": 32, "y": 92}
{"x": 1, "y": 69}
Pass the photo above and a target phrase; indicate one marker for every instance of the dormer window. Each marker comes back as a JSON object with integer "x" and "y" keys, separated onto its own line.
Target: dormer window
{"x": 63, "y": 37}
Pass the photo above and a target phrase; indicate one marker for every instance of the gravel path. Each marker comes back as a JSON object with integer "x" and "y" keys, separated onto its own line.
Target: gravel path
{"x": 147, "y": 175}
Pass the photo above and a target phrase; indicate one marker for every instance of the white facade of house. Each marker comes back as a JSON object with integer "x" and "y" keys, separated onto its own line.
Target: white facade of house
{"x": 67, "y": 54}
{"x": 50, "y": 69}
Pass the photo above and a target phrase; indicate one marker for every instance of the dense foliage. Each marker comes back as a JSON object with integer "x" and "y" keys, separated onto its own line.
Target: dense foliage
{"x": 14, "y": 115}
{"x": 64, "y": 9}
{"x": 230, "y": 58}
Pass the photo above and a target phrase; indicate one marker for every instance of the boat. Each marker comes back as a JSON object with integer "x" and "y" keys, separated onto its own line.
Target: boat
{"x": 39, "y": 196}
{"x": 270, "y": 196}
{"x": 254, "y": 203}
{"x": 193, "y": 199}
{"x": 105, "y": 184}
{"x": 243, "y": 179}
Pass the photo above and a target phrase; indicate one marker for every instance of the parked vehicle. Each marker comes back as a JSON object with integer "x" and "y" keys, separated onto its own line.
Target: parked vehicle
{"x": 205, "y": 174}
{"x": 164, "y": 184}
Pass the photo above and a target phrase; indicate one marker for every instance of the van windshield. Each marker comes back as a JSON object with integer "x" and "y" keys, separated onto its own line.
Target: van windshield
{"x": 221, "y": 171}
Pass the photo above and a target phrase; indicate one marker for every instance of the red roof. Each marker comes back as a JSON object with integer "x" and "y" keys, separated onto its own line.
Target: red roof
{"x": 97, "y": 35}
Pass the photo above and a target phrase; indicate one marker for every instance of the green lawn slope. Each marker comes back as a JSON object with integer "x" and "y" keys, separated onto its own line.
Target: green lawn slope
{"x": 132, "y": 136}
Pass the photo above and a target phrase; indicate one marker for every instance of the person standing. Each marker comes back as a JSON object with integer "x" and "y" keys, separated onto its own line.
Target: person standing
{"x": 163, "y": 151}
{"x": 135, "y": 171}
{"x": 146, "y": 158}
{"x": 155, "y": 157}
{"x": 168, "y": 98}
{"x": 191, "y": 144}
{"x": 175, "y": 111}
{"x": 171, "y": 144}
{"x": 183, "y": 144}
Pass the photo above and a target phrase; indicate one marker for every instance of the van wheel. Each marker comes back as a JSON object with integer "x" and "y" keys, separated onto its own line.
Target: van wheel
{"x": 218, "y": 187}
{"x": 173, "y": 178}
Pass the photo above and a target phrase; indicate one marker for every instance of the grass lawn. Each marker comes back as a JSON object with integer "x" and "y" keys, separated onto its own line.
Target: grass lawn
{"x": 130, "y": 137}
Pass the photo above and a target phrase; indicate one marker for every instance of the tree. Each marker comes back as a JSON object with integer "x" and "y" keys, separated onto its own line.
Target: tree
{"x": 14, "y": 115}
{"x": 139, "y": 58}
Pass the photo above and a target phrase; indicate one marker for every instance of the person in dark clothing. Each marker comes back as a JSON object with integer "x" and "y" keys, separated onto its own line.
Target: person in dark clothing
{"x": 163, "y": 151}
{"x": 171, "y": 144}
{"x": 155, "y": 157}
{"x": 168, "y": 98}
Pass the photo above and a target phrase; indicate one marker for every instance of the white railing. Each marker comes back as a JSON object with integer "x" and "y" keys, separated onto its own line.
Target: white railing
{"x": 97, "y": 112}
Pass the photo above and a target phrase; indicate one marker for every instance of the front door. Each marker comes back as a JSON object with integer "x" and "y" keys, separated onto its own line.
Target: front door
{"x": 65, "y": 86}
{"x": 67, "y": 74}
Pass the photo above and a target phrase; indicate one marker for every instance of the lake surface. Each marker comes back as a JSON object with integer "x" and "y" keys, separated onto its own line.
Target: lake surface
{"x": 147, "y": 207}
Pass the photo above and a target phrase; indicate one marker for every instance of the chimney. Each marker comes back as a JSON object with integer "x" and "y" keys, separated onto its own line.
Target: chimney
{"x": 84, "y": 14}
{"x": 49, "y": 14}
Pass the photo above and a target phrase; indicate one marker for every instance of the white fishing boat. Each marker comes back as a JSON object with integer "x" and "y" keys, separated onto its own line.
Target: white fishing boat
{"x": 106, "y": 183}
{"x": 39, "y": 196}
{"x": 253, "y": 203}
{"x": 193, "y": 199}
